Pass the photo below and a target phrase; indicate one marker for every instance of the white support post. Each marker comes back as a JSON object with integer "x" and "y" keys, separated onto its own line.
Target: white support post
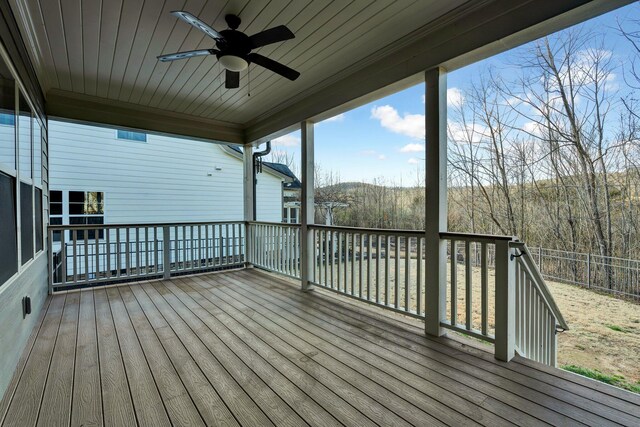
{"x": 436, "y": 199}
{"x": 505, "y": 302}
{"x": 307, "y": 205}
{"x": 248, "y": 202}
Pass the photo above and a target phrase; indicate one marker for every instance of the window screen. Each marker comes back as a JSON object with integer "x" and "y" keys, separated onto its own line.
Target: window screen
{"x": 38, "y": 214}
{"x": 8, "y": 228}
{"x": 24, "y": 139}
{"x": 37, "y": 153}
{"x": 26, "y": 221}
{"x": 7, "y": 118}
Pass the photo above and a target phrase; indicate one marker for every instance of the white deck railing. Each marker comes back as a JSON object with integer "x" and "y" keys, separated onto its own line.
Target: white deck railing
{"x": 380, "y": 267}
{"x": 537, "y": 315}
{"x": 93, "y": 254}
{"x": 275, "y": 247}
{"x": 494, "y": 290}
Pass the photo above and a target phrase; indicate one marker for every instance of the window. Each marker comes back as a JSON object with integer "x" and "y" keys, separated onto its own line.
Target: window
{"x": 24, "y": 139}
{"x": 55, "y": 212}
{"x": 86, "y": 208}
{"x": 8, "y": 118}
{"x": 37, "y": 199}
{"x": 8, "y": 228}
{"x": 132, "y": 136}
{"x": 26, "y": 221}
{"x": 37, "y": 153}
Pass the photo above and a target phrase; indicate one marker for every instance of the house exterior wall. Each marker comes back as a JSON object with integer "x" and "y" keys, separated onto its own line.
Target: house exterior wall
{"x": 31, "y": 279}
{"x": 164, "y": 179}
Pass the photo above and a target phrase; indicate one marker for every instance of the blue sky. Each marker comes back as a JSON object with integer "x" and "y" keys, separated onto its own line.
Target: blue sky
{"x": 382, "y": 139}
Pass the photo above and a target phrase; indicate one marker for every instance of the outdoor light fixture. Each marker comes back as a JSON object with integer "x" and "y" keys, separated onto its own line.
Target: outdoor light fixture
{"x": 233, "y": 63}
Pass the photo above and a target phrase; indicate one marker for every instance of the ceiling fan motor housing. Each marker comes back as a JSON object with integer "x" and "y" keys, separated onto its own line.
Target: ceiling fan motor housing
{"x": 235, "y": 43}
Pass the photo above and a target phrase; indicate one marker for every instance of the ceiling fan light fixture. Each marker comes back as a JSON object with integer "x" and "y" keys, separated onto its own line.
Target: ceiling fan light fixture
{"x": 233, "y": 63}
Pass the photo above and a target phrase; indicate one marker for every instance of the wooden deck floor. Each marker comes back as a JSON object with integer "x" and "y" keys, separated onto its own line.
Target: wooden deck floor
{"x": 246, "y": 347}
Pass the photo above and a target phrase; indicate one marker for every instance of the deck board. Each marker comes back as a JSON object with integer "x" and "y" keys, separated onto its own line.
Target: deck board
{"x": 249, "y": 348}
{"x": 510, "y": 392}
{"x": 86, "y": 409}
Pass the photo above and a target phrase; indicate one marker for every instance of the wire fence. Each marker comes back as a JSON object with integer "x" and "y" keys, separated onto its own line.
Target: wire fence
{"x": 617, "y": 276}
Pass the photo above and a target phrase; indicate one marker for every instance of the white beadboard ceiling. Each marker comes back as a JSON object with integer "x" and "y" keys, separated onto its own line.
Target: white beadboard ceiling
{"x": 103, "y": 52}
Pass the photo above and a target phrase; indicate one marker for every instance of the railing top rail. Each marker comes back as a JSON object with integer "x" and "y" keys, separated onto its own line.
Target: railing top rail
{"x": 540, "y": 283}
{"x": 150, "y": 224}
{"x": 368, "y": 230}
{"x": 474, "y": 237}
{"x": 282, "y": 224}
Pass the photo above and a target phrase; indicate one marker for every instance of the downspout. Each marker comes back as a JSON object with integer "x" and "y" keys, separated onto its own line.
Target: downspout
{"x": 257, "y": 168}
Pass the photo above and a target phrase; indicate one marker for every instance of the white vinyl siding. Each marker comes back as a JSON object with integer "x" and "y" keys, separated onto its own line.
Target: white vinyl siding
{"x": 167, "y": 179}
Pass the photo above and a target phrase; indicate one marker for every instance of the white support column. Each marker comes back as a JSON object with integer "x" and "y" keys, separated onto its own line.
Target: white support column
{"x": 505, "y": 302}
{"x": 436, "y": 199}
{"x": 307, "y": 213}
{"x": 248, "y": 202}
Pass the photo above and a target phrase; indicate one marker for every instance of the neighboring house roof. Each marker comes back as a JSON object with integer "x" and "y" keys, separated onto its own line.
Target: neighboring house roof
{"x": 284, "y": 169}
{"x": 291, "y": 180}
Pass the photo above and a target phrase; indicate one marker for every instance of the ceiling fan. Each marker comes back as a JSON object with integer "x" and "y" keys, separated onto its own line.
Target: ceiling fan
{"x": 234, "y": 48}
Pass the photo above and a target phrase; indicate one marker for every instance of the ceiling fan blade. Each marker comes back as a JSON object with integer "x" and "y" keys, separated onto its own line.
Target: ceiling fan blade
{"x": 272, "y": 35}
{"x": 188, "y": 54}
{"x": 192, "y": 20}
{"x": 274, "y": 66}
{"x": 232, "y": 80}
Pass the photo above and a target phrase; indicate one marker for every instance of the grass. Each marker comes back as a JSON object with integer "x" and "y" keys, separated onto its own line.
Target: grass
{"x": 614, "y": 380}
{"x": 617, "y": 328}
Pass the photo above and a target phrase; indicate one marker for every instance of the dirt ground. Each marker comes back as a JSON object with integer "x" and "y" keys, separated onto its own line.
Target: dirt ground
{"x": 604, "y": 331}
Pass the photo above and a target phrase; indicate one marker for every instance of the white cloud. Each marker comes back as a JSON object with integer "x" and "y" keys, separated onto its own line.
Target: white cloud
{"x": 373, "y": 153}
{"x": 533, "y": 128}
{"x": 286, "y": 141}
{"x": 411, "y": 125}
{"x": 455, "y": 98}
{"x": 338, "y": 118}
{"x": 412, "y": 148}
{"x": 412, "y": 161}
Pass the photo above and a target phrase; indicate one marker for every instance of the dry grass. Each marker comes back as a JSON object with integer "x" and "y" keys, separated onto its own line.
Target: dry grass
{"x": 604, "y": 331}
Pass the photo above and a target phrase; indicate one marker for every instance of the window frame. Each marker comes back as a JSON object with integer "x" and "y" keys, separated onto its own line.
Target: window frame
{"x": 131, "y": 132}
{"x": 66, "y": 215}
{"x": 19, "y": 90}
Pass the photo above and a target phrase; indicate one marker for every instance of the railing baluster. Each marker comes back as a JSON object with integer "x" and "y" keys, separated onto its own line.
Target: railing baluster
{"x": 387, "y": 279}
{"x": 226, "y": 236}
{"x": 360, "y": 266}
{"x": 107, "y": 239}
{"x": 353, "y": 263}
{"x": 368, "y": 267}
{"x": 75, "y": 255}
{"x": 419, "y": 276}
{"x": 378, "y": 250}
{"x": 97, "y": 254}
{"x": 326, "y": 258}
{"x": 407, "y": 273}
{"x": 85, "y": 234}
{"x": 63, "y": 256}
{"x": 484, "y": 283}
{"x": 118, "y": 253}
{"x": 396, "y": 287}
{"x": 332, "y": 254}
{"x": 468, "y": 286}
{"x": 454, "y": 284}
{"x": 339, "y": 273}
